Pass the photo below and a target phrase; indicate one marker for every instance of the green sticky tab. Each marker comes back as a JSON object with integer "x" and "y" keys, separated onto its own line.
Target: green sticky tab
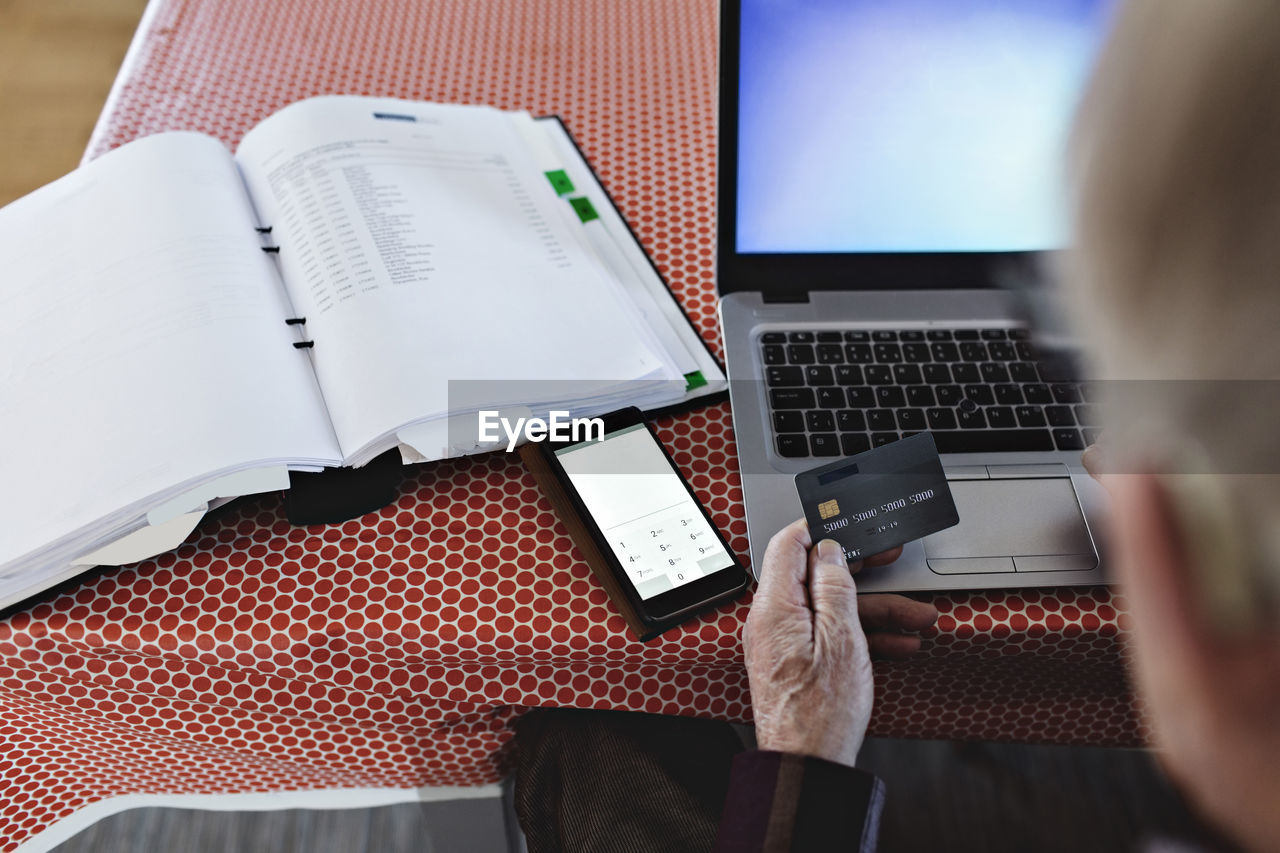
{"x": 694, "y": 380}
{"x": 560, "y": 181}
{"x": 583, "y": 208}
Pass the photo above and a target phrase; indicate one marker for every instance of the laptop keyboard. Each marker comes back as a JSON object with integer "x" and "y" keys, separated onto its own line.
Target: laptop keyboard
{"x": 836, "y": 393}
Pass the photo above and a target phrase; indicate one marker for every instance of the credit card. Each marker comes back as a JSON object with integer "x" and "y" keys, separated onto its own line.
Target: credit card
{"x": 879, "y": 499}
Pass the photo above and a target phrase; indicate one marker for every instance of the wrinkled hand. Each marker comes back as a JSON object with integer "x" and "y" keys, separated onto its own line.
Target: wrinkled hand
{"x": 808, "y": 652}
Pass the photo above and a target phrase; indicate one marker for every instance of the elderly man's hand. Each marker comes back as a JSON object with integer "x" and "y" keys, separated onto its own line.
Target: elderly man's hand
{"x": 808, "y": 641}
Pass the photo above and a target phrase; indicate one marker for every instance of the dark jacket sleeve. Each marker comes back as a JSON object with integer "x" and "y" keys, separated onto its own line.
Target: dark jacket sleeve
{"x": 778, "y": 801}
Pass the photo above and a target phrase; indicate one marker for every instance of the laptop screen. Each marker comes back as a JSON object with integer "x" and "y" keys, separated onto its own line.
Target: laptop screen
{"x": 908, "y": 125}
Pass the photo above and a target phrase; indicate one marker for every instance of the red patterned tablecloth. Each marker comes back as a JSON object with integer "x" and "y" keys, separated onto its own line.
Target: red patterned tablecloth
{"x": 393, "y": 651}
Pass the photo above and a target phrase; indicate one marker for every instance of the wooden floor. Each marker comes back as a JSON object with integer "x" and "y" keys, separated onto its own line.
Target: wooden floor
{"x": 57, "y": 61}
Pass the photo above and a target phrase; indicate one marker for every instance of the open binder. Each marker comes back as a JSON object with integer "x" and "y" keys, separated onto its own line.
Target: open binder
{"x": 180, "y": 326}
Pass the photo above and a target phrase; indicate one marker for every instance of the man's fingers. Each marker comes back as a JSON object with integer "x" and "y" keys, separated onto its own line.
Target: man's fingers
{"x": 895, "y": 613}
{"x": 784, "y": 569}
{"x": 893, "y": 646}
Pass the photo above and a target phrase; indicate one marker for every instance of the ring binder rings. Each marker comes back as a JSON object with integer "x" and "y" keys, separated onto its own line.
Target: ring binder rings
{"x": 261, "y": 229}
{"x": 271, "y": 250}
{"x": 295, "y": 321}
{"x": 304, "y": 344}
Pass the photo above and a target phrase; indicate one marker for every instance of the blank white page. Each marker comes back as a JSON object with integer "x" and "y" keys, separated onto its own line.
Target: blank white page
{"x": 142, "y": 342}
{"x": 425, "y": 246}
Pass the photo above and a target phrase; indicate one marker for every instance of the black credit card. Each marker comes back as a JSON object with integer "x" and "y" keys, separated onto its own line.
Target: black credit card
{"x": 879, "y": 499}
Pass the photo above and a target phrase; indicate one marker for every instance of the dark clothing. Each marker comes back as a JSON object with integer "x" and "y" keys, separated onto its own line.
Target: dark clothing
{"x": 619, "y": 781}
{"x": 778, "y": 801}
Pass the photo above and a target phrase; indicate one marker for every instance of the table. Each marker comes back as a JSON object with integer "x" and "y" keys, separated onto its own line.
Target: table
{"x": 394, "y": 650}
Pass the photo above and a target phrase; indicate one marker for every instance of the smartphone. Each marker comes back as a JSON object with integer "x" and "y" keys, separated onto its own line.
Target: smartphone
{"x": 659, "y": 540}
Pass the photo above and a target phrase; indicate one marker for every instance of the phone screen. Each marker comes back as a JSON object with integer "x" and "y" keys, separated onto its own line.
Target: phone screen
{"x": 656, "y": 529}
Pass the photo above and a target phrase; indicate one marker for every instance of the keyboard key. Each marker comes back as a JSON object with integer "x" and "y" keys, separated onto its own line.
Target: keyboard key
{"x": 993, "y": 372}
{"x": 911, "y": 420}
{"x": 880, "y": 439}
{"x": 883, "y": 335}
{"x": 878, "y": 374}
{"x": 938, "y": 334}
{"x": 944, "y": 352}
{"x": 1087, "y": 415}
{"x": 890, "y": 396}
{"x": 1019, "y": 334}
{"x": 1002, "y": 351}
{"x": 851, "y": 420}
{"x": 831, "y": 398}
{"x": 971, "y": 420}
{"x": 980, "y": 394}
{"x": 1008, "y": 395}
{"x": 824, "y": 444}
{"x": 830, "y": 354}
{"x": 1089, "y": 392}
{"x": 858, "y": 353}
{"x": 907, "y": 374}
{"x": 774, "y": 354}
{"x": 881, "y": 419}
{"x": 915, "y": 353}
{"x": 800, "y": 337}
{"x": 820, "y": 421}
{"x": 940, "y": 418}
{"x": 887, "y": 353}
{"x": 1065, "y": 392}
{"x": 949, "y": 395}
{"x": 773, "y": 338}
{"x": 1059, "y": 367}
{"x": 827, "y": 337}
{"x": 857, "y": 337}
{"x": 1059, "y": 416}
{"x": 1029, "y": 416}
{"x": 801, "y": 354}
{"x": 1037, "y": 394}
{"x": 911, "y": 335}
{"x": 851, "y": 443}
{"x": 937, "y": 374}
{"x": 792, "y": 445}
{"x": 862, "y": 397}
{"x": 791, "y": 398}
{"x": 966, "y": 334}
{"x": 964, "y": 372}
{"x": 1001, "y": 417}
{"x": 994, "y": 334}
{"x": 966, "y": 405}
{"x": 920, "y": 396}
{"x": 818, "y": 376}
{"x": 777, "y": 377}
{"x": 1025, "y": 351}
{"x": 848, "y": 374}
{"x": 1068, "y": 439}
{"x": 1023, "y": 371}
{"x": 993, "y": 440}
{"x": 788, "y": 422}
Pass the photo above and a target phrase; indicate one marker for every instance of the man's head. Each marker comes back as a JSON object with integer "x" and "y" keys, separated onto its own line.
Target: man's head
{"x": 1176, "y": 282}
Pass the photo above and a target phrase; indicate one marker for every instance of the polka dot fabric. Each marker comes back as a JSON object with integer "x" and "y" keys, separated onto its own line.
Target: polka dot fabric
{"x": 395, "y": 650}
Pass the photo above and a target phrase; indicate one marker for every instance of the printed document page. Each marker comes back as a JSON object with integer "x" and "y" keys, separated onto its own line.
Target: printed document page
{"x": 142, "y": 346}
{"x": 423, "y": 245}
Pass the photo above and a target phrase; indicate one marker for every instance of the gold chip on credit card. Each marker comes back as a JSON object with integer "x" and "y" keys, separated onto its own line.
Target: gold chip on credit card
{"x": 828, "y": 509}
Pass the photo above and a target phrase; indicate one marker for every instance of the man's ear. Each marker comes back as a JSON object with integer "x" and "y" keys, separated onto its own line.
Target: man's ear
{"x": 1155, "y": 565}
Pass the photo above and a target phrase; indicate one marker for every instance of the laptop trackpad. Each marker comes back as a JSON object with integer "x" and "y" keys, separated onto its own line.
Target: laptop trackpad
{"x": 1029, "y": 524}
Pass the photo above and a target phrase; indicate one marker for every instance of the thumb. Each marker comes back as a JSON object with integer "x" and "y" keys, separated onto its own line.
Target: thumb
{"x": 833, "y": 594}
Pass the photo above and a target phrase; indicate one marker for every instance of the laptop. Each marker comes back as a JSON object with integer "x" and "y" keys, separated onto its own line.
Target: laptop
{"x": 886, "y": 167}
